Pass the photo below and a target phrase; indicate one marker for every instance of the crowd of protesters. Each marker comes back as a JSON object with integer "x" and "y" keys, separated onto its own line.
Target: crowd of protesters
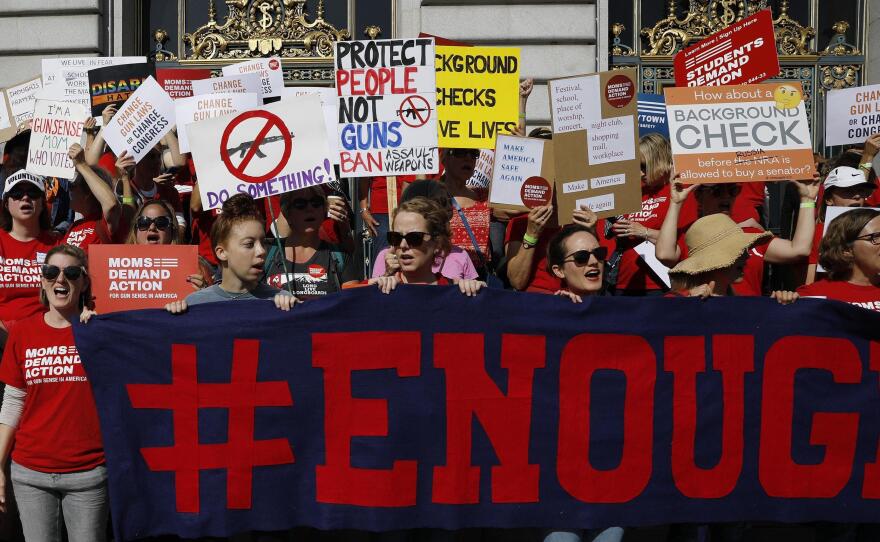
{"x": 305, "y": 245}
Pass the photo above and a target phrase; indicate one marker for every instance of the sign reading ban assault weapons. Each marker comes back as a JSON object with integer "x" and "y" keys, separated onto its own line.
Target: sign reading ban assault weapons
{"x": 275, "y": 149}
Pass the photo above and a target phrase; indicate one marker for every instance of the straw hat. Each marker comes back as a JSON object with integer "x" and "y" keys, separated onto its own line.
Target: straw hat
{"x": 715, "y": 242}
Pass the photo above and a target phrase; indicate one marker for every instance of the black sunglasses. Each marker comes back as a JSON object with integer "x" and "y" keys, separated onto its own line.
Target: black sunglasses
{"x": 719, "y": 190}
{"x": 413, "y": 239}
{"x": 300, "y": 203}
{"x": 582, "y": 257}
{"x": 71, "y": 272}
{"x": 460, "y": 153}
{"x": 162, "y": 223}
{"x": 18, "y": 192}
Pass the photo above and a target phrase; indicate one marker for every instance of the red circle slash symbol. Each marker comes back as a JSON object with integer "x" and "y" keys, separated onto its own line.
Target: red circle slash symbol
{"x": 272, "y": 121}
{"x": 417, "y": 109}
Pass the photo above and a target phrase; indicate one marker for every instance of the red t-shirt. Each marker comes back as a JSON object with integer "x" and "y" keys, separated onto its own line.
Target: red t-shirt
{"x": 817, "y": 238}
{"x": 752, "y": 280}
{"x": 478, "y": 216}
{"x": 633, "y": 273}
{"x": 94, "y": 231}
{"x": 379, "y": 192}
{"x": 201, "y": 233}
{"x": 20, "y": 275}
{"x": 746, "y": 204}
{"x": 867, "y": 297}
{"x": 59, "y": 430}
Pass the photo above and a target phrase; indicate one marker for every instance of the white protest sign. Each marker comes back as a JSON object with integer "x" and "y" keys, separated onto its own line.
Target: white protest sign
{"x": 852, "y": 115}
{"x": 142, "y": 121}
{"x": 246, "y": 82}
{"x": 207, "y": 106}
{"x": 56, "y": 126}
{"x": 518, "y": 160}
{"x": 67, "y": 79}
{"x": 328, "y": 106}
{"x": 278, "y": 148}
{"x": 269, "y": 70}
{"x": 646, "y": 252}
{"x": 482, "y": 170}
{"x": 21, "y": 99}
{"x": 387, "y": 107}
{"x": 574, "y": 103}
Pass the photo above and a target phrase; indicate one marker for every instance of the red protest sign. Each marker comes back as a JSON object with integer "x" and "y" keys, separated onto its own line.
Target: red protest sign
{"x": 177, "y": 82}
{"x": 742, "y": 53}
{"x": 273, "y": 122}
{"x": 129, "y": 277}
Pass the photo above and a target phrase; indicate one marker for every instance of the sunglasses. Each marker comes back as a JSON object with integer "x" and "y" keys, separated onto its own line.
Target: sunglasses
{"x": 719, "y": 190}
{"x": 32, "y": 192}
{"x": 72, "y": 272}
{"x": 464, "y": 153}
{"x": 873, "y": 238}
{"x": 162, "y": 223}
{"x": 301, "y": 203}
{"x": 582, "y": 257}
{"x": 413, "y": 239}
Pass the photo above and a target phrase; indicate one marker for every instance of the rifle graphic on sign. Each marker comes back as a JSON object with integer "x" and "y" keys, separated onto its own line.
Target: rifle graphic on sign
{"x": 411, "y": 112}
{"x": 246, "y": 145}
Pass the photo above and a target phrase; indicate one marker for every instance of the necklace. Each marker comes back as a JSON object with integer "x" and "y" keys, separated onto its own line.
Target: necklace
{"x": 233, "y": 296}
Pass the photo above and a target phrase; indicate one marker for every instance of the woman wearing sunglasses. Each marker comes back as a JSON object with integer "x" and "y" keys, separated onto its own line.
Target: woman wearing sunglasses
{"x": 719, "y": 199}
{"x": 576, "y": 258}
{"x": 49, "y": 413}
{"x": 25, "y": 238}
{"x": 92, "y": 197}
{"x": 850, "y": 254}
{"x": 419, "y": 235}
{"x": 310, "y": 267}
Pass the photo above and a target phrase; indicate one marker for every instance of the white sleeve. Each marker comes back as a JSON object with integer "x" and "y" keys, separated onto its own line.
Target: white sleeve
{"x": 13, "y": 404}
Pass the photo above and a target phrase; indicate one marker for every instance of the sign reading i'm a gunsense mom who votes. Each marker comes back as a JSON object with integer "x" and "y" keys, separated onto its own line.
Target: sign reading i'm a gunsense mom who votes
{"x": 387, "y": 107}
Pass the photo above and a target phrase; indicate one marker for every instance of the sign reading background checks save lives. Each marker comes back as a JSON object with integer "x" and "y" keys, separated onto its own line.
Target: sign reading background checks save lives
{"x": 595, "y": 143}
{"x": 739, "y": 133}
{"x": 387, "y": 112}
{"x": 275, "y": 149}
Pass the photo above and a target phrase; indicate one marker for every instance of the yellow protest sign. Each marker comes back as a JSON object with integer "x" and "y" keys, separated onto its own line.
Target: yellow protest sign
{"x": 477, "y": 95}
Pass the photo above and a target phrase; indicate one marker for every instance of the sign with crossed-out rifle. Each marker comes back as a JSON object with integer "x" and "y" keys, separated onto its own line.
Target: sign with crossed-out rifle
{"x": 275, "y": 149}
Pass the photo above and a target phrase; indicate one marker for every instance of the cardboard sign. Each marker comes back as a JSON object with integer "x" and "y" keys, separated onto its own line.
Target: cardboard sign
{"x": 652, "y": 115}
{"x": 67, "y": 79}
{"x": 740, "y": 133}
{"x": 387, "y": 113}
{"x": 329, "y": 106}
{"x": 523, "y": 174}
{"x": 142, "y": 121}
{"x": 177, "y": 82}
{"x": 269, "y": 70}
{"x": 742, "y": 53}
{"x": 477, "y": 95}
{"x": 852, "y": 115}
{"x": 247, "y": 82}
{"x": 482, "y": 175}
{"x": 208, "y": 106}
{"x": 595, "y": 143}
{"x": 17, "y": 106}
{"x": 278, "y": 148}
{"x": 56, "y": 126}
{"x": 131, "y": 277}
{"x": 114, "y": 84}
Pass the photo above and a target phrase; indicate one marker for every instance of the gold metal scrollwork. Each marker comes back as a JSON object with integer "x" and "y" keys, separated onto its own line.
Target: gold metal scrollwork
{"x": 257, "y": 28}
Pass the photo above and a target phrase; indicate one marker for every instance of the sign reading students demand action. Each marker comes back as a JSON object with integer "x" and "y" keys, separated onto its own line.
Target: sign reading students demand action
{"x": 387, "y": 112}
{"x": 739, "y": 133}
{"x": 477, "y": 95}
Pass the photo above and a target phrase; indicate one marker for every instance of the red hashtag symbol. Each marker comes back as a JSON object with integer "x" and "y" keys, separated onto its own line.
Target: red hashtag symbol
{"x": 241, "y": 453}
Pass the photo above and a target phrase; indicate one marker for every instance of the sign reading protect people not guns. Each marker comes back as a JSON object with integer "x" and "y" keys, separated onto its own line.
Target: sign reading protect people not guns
{"x": 739, "y": 133}
{"x": 477, "y": 95}
{"x": 852, "y": 115}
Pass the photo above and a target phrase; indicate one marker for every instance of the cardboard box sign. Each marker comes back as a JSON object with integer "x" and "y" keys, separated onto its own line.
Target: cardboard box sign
{"x": 115, "y": 84}
{"x": 523, "y": 175}
{"x": 740, "y": 133}
{"x": 595, "y": 143}
{"x": 130, "y": 277}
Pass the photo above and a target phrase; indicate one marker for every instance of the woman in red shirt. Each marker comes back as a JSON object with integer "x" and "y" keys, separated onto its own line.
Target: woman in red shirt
{"x": 468, "y": 205}
{"x": 850, "y": 254}
{"x": 92, "y": 197}
{"x": 25, "y": 238}
{"x": 49, "y": 412}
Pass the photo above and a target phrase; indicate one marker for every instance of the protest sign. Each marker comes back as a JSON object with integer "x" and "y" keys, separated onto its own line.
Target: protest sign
{"x": 740, "y": 133}
{"x": 208, "y": 106}
{"x": 275, "y": 149}
{"x": 528, "y": 412}
{"x": 56, "y": 126}
{"x": 128, "y": 277}
{"x": 523, "y": 174}
{"x": 652, "y": 115}
{"x": 67, "y": 79}
{"x": 742, "y": 53}
{"x": 269, "y": 70}
{"x": 852, "y": 115}
{"x": 595, "y": 143}
{"x": 141, "y": 121}
{"x": 246, "y": 82}
{"x": 477, "y": 95}
{"x": 17, "y": 106}
{"x": 387, "y": 107}
{"x": 114, "y": 84}
{"x": 329, "y": 103}
{"x": 177, "y": 82}
{"x": 482, "y": 170}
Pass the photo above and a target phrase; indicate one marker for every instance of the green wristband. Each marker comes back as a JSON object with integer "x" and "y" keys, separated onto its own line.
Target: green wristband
{"x": 530, "y": 239}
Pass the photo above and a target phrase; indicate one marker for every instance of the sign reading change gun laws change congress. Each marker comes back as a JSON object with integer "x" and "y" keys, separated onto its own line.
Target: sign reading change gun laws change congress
{"x": 739, "y": 133}
{"x": 142, "y": 121}
{"x": 852, "y": 115}
{"x": 387, "y": 107}
{"x": 278, "y": 148}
